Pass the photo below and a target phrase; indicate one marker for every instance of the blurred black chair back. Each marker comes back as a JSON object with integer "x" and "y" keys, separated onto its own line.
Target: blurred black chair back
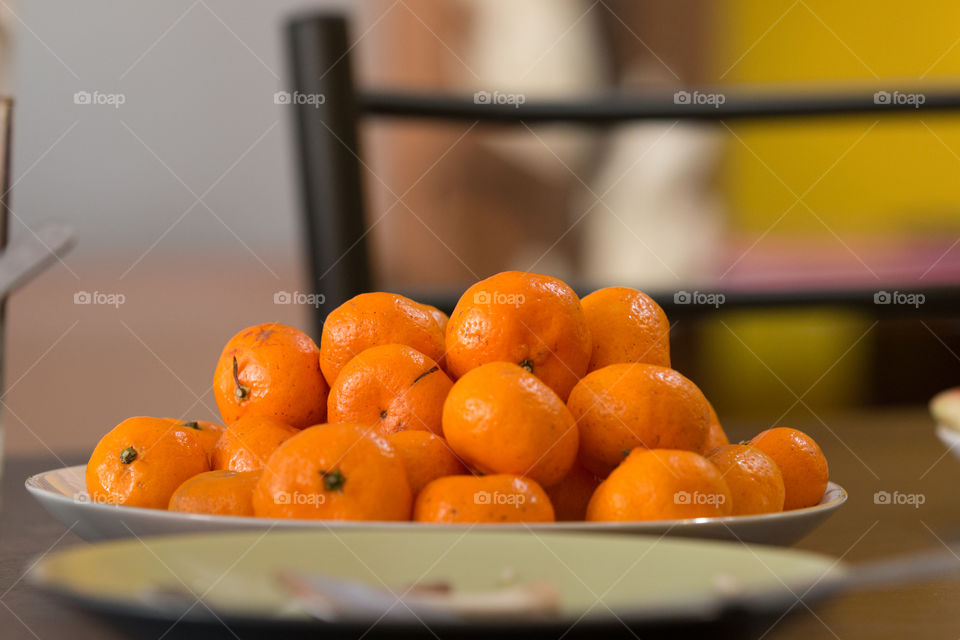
{"x": 330, "y": 158}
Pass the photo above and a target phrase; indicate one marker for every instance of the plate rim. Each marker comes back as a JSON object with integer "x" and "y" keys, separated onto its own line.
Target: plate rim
{"x": 946, "y": 432}
{"x": 709, "y": 607}
{"x": 32, "y": 485}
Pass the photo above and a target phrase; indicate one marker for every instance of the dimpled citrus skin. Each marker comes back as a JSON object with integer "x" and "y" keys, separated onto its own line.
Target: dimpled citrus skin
{"x": 755, "y": 481}
{"x": 483, "y": 499}
{"x": 160, "y": 457}
{"x": 248, "y": 443}
{"x": 802, "y": 463}
{"x": 438, "y": 315}
{"x": 372, "y": 319}
{"x": 225, "y": 493}
{"x": 661, "y": 484}
{"x": 716, "y": 436}
{"x": 571, "y": 495}
{"x": 499, "y": 418}
{"x": 626, "y": 325}
{"x": 426, "y": 456}
{"x": 392, "y": 387}
{"x": 624, "y": 406}
{"x": 334, "y": 472}
{"x": 523, "y": 318}
{"x": 442, "y": 321}
{"x": 279, "y": 367}
{"x": 207, "y": 432}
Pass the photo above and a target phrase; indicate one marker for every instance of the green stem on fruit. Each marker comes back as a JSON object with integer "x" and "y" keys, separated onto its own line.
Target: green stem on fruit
{"x": 333, "y": 480}
{"x": 527, "y": 364}
{"x": 128, "y": 455}
{"x": 423, "y": 375}
{"x": 242, "y": 392}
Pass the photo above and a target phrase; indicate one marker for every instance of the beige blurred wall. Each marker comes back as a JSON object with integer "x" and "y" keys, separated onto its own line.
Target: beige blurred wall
{"x": 183, "y": 200}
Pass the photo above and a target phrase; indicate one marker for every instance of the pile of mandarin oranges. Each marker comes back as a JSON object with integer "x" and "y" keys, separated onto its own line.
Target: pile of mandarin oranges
{"x": 527, "y": 404}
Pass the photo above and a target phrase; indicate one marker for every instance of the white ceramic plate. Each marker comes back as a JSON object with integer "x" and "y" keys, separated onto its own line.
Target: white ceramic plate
{"x": 237, "y": 579}
{"x": 949, "y": 437}
{"x": 62, "y": 493}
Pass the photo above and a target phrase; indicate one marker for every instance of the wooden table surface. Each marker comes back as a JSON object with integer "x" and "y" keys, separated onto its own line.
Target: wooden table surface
{"x": 869, "y": 451}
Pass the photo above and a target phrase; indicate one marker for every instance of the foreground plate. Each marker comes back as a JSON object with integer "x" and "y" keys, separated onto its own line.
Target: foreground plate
{"x": 236, "y": 578}
{"x": 62, "y": 493}
{"x": 949, "y": 437}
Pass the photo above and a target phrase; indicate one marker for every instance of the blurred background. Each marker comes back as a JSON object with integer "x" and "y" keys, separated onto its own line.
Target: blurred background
{"x": 180, "y": 177}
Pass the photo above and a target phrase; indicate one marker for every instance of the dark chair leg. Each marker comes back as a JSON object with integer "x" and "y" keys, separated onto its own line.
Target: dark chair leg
{"x": 326, "y": 138}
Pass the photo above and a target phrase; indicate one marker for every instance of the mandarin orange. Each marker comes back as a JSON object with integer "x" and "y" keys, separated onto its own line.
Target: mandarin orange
{"x": 716, "y": 436}
{"x": 426, "y": 456}
{"x": 224, "y": 493}
{"x": 248, "y": 443}
{"x": 531, "y": 320}
{"x": 392, "y": 387}
{"x": 661, "y": 484}
{"x": 500, "y": 418}
{"x": 571, "y": 495}
{"x": 624, "y": 406}
{"x": 755, "y": 482}
{"x": 142, "y": 461}
{"x": 802, "y": 463}
{"x": 626, "y": 325}
{"x": 334, "y": 472}
{"x": 271, "y": 369}
{"x": 483, "y": 499}
{"x": 372, "y": 319}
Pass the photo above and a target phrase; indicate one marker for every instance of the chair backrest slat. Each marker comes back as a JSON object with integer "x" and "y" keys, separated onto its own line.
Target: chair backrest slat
{"x": 326, "y": 138}
{"x": 331, "y": 168}
{"x": 616, "y": 108}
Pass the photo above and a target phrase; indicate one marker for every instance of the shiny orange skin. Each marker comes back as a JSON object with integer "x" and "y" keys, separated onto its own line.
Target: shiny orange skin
{"x": 499, "y": 418}
{"x": 524, "y": 318}
{"x": 483, "y": 499}
{"x": 334, "y": 472}
{"x": 661, "y": 484}
{"x": 278, "y": 365}
{"x": 164, "y": 457}
{"x": 248, "y": 443}
{"x": 571, "y": 495}
{"x": 372, "y": 319}
{"x": 426, "y": 457}
{"x": 716, "y": 436}
{"x": 755, "y": 481}
{"x": 392, "y": 387}
{"x": 802, "y": 463}
{"x": 222, "y": 493}
{"x": 624, "y": 406}
{"x": 441, "y": 318}
{"x": 442, "y": 321}
{"x": 626, "y": 325}
{"x": 207, "y": 432}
